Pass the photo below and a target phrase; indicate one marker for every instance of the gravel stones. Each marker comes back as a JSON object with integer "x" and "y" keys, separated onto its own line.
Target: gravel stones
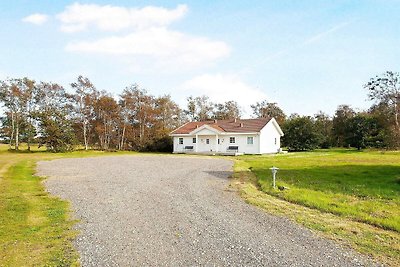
{"x": 176, "y": 211}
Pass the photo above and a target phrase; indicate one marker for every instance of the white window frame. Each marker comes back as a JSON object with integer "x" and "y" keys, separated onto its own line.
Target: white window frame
{"x": 250, "y": 138}
{"x": 232, "y": 138}
{"x": 180, "y": 140}
{"x": 207, "y": 141}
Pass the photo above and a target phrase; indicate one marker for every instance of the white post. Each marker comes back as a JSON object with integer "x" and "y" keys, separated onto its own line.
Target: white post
{"x": 197, "y": 141}
{"x": 274, "y": 170}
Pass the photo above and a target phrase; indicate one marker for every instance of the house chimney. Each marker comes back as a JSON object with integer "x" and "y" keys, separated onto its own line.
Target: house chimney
{"x": 215, "y": 121}
{"x": 241, "y": 125}
{"x": 235, "y": 120}
{"x": 197, "y": 126}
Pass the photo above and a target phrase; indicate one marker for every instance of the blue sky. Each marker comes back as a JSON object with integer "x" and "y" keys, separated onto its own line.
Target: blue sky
{"x": 305, "y": 55}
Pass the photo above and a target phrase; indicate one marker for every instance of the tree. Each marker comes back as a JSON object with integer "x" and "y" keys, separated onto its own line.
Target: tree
{"x": 362, "y": 131}
{"x": 140, "y": 107}
{"x": 323, "y": 128}
{"x": 383, "y": 115}
{"x": 227, "y": 110}
{"x": 300, "y": 133}
{"x": 266, "y": 109}
{"x": 199, "y": 108}
{"x": 54, "y": 118}
{"x": 340, "y": 124}
{"x": 28, "y": 89}
{"x": 107, "y": 120}
{"x": 17, "y": 96}
{"x": 168, "y": 115}
{"x": 386, "y": 89}
{"x": 85, "y": 97}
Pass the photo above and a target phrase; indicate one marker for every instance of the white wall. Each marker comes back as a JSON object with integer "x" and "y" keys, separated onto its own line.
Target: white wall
{"x": 187, "y": 141}
{"x": 202, "y": 146}
{"x": 241, "y": 142}
{"x": 267, "y": 139}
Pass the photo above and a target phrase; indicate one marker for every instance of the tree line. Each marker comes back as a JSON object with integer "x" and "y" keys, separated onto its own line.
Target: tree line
{"x": 47, "y": 114}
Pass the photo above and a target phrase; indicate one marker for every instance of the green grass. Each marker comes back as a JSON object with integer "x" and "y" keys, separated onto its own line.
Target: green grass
{"x": 364, "y": 186}
{"x": 346, "y": 194}
{"x": 35, "y": 227}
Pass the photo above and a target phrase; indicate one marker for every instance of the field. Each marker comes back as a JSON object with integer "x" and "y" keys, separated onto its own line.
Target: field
{"x": 348, "y": 195}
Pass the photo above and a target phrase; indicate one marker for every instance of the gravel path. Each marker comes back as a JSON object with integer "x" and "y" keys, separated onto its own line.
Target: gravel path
{"x": 177, "y": 211}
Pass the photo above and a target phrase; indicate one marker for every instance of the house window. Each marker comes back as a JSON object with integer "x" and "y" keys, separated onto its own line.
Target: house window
{"x": 194, "y": 140}
{"x": 250, "y": 140}
{"x": 218, "y": 141}
{"x": 181, "y": 141}
{"x": 207, "y": 141}
{"x": 276, "y": 140}
{"x": 232, "y": 140}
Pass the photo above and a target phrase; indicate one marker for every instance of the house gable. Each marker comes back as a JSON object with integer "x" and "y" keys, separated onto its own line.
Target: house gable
{"x": 205, "y": 130}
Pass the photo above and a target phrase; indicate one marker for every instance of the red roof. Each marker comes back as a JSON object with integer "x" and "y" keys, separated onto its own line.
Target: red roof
{"x": 230, "y": 126}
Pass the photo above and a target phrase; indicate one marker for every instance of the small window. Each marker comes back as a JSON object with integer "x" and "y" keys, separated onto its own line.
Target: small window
{"x": 276, "y": 140}
{"x": 207, "y": 141}
{"x": 181, "y": 141}
{"x": 194, "y": 140}
{"x": 218, "y": 141}
{"x": 250, "y": 140}
{"x": 232, "y": 140}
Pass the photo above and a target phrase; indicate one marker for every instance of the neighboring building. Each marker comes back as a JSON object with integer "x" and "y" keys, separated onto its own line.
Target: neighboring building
{"x": 248, "y": 136}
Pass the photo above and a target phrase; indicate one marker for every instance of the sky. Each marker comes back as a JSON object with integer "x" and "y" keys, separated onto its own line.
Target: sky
{"x": 305, "y": 55}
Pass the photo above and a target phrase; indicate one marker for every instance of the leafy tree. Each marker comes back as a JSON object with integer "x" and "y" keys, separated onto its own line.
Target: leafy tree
{"x": 85, "y": 96}
{"x": 383, "y": 115}
{"x": 386, "y": 89}
{"x": 227, "y": 110}
{"x": 323, "y": 128}
{"x": 199, "y": 108}
{"x": 340, "y": 124}
{"x": 363, "y": 131}
{"x": 266, "y": 109}
{"x": 54, "y": 118}
{"x": 300, "y": 133}
{"x": 140, "y": 107}
{"x": 168, "y": 116}
{"x": 107, "y": 120}
{"x": 17, "y": 96}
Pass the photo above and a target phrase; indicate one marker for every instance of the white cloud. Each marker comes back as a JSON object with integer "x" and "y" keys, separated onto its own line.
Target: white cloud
{"x": 164, "y": 46}
{"x": 37, "y": 19}
{"x": 79, "y": 17}
{"x": 223, "y": 87}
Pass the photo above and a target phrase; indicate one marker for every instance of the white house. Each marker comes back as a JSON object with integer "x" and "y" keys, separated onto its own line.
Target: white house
{"x": 236, "y": 136}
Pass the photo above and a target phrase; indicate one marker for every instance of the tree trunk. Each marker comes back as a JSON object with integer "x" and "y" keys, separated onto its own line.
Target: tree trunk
{"x": 17, "y": 137}
{"x": 12, "y": 129}
{"x": 121, "y": 147}
{"x": 396, "y": 115}
{"x": 29, "y": 134}
{"x": 85, "y": 136}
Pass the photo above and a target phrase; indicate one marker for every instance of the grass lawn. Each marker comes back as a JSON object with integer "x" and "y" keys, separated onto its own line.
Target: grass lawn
{"x": 35, "y": 227}
{"x": 349, "y": 195}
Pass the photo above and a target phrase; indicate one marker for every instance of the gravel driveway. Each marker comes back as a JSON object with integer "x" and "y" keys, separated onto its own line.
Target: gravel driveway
{"x": 177, "y": 211}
